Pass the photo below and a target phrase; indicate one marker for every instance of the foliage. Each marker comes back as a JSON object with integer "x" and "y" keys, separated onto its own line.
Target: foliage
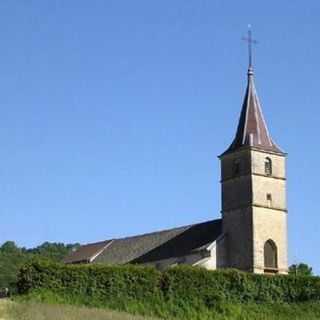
{"x": 91, "y": 284}
{"x": 180, "y": 292}
{"x": 10, "y": 247}
{"x": 12, "y": 258}
{"x": 53, "y": 251}
{"x": 300, "y": 269}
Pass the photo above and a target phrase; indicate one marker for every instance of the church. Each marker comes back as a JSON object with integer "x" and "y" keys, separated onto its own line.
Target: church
{"x": 252, "y": 232}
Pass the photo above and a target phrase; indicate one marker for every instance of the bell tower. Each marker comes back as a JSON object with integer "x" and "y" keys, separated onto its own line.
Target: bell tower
{"x": 253, "y": 181}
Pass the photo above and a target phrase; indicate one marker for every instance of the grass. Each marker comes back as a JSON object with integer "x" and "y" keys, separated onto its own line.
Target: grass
{"x": 41, "y": 311}
{"x": 38, "y": 311}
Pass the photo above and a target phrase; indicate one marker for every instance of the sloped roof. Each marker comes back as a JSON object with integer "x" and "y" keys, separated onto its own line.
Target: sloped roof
{"x": 252, "y": 129}
{"x": 160, "y": 245}
{"x": 193, "y": 239}
{"x": 86, "y": 252}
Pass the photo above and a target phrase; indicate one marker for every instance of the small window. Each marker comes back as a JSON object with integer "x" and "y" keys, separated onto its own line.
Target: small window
{"x": 236, "y": 168}
{"x": 268, "y": 166}
{"x": 269, "y": 199}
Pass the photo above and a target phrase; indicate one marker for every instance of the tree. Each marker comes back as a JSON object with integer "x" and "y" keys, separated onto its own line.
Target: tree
{"x": 300, "y": 269}
{"x": 12, "y": 258}
{"x": 53, "y": 251}
{"x": 9, "y": 247}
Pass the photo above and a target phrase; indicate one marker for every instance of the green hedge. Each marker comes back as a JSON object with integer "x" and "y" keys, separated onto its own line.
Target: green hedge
{"x": 117, "y": 286}
{"x": 91, "y": 284}
{"x": 232, "y": 285}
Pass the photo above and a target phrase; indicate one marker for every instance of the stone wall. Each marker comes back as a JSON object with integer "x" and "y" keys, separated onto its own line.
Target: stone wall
{"x": 237, "y": 226}
{"x": 269, "y": 217}
{"x": 278, "y": 163}
{"x": 270, "y": 224}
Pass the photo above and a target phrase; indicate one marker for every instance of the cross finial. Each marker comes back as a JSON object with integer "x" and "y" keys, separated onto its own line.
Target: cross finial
{"x": 250, "y": 41}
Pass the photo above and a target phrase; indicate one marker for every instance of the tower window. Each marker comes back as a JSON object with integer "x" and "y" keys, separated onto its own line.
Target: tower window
{"x": 236, "y": 167}
{"x": 268, "y": 166}
{"x": 269, "y": 199}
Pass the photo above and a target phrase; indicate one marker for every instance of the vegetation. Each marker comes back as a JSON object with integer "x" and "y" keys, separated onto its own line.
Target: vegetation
{"x": 36, "y": 311}
{"x": 12, "y": 258}
{"x": 40, "y": 311}
{"x": 181, "y": 292}
{"x": 300, "y": 269}
{"x": 51, "y": 290}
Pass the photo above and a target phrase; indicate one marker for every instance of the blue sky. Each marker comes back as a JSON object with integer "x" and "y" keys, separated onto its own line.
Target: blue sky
{"x": 112, "y": 113}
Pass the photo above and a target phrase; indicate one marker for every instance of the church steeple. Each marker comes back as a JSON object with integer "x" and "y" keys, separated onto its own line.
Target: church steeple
{"x": 253, "y": 197}
{"x": 252, "y": 129}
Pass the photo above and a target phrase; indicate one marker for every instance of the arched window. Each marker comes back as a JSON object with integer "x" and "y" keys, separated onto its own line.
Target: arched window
{"x": 270, "y": 255}
{"x": 236, "y": 167}
{"x": 268, "y": 166}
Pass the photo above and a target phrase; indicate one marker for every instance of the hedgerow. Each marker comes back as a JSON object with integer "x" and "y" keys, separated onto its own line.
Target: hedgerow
{"x": 178, "y": 290}
{"x": 91, "y": 284}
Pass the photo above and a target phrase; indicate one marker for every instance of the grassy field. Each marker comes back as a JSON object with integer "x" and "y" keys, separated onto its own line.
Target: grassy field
{"x": 36, "y": 311}
{"x": 39, "y": 311}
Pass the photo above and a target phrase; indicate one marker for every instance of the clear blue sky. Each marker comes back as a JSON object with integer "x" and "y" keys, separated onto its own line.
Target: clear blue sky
{"x": 112, "y": 113}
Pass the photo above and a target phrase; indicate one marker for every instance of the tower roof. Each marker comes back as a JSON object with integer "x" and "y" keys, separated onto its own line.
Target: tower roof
{"x": 252, "y": 129}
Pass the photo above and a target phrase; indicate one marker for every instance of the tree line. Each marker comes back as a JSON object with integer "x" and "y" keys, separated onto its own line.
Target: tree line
{"x": 13, "y": 257}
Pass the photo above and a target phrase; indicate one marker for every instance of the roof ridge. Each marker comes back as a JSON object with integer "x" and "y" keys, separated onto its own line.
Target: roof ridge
{"x": 164, "y": 230}
{"x": 95, "y": 243}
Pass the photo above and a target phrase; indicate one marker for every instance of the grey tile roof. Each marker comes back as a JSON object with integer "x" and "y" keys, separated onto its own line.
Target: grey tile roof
{"x": 161, "y": 245}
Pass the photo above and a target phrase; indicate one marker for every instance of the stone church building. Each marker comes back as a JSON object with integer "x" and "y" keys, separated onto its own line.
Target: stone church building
{"x": 252, "y": 232}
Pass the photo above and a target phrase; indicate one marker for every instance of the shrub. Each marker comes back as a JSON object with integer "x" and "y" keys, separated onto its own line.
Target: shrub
{"x": 90, "y": 282}
{"x": 181, "y": 290}
{"x": 232, "y": 285}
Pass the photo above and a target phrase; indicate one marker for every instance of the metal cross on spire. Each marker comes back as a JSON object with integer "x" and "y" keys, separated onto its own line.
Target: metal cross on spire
{"x": 250, "y": 41}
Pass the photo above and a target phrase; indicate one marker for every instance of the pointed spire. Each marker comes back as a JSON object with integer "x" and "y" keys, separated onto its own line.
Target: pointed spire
{"x": 252, "y": 130}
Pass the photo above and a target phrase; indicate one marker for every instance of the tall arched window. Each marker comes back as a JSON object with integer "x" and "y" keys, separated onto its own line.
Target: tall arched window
{"x": 268, "y": 166}
{"x": 270, "y": 255}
